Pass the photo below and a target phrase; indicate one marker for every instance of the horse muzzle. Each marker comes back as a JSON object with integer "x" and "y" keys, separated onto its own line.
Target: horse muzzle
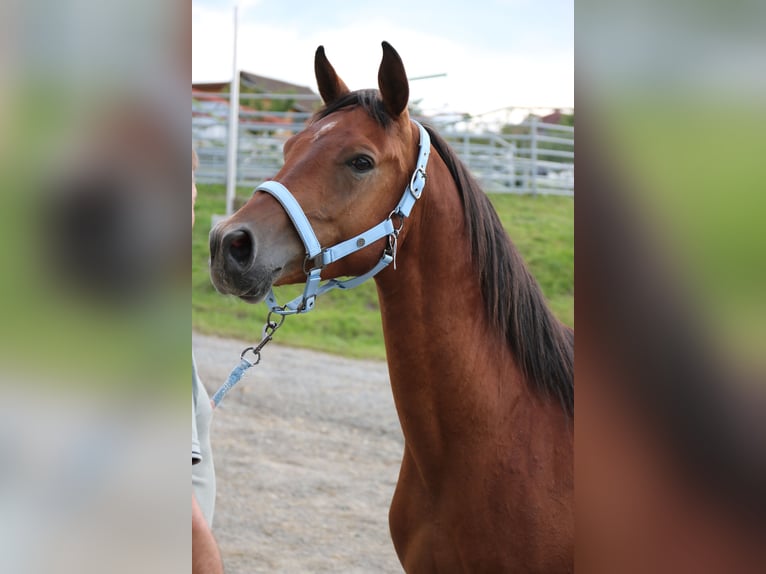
{"x": 234, "y": 266}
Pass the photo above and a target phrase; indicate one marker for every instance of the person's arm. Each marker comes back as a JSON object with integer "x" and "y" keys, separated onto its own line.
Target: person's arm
{"x": 206, "y": 559}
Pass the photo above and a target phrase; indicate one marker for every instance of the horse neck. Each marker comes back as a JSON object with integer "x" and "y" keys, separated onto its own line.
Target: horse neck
{"x": 449, "y": 366}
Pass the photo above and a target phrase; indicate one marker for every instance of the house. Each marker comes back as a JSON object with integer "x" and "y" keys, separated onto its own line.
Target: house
{"x": 552, "y": 118}
{"x": 558, "y": 117}
{"x": 306, "y": 102}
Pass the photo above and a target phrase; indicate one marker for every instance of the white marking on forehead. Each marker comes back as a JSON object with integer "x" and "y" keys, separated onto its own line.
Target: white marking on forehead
{"x": 323, "y": 129}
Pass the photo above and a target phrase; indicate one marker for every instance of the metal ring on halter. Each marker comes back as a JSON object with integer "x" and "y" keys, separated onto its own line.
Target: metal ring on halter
{"x": 273, "y": 325}
{"x": 396, "y": 213}
{"x": 316, "y": 261}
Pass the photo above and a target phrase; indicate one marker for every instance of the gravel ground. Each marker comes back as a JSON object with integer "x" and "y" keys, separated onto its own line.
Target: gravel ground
{"x": 307, "y": 450}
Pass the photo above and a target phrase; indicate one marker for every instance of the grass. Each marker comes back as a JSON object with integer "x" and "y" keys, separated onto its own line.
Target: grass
{"x": 348, "y": 323}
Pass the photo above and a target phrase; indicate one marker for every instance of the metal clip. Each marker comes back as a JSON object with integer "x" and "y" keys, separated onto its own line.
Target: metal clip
{"x": 393, "y": 242}
{"x": 266, "y": 335}
{"x": 271, "y": 326}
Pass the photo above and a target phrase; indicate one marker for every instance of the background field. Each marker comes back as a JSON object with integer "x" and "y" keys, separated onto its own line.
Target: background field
{"x": 348, "y": 323}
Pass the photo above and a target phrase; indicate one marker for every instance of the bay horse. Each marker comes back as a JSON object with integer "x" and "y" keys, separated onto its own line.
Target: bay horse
{"x": 481, "y": 371}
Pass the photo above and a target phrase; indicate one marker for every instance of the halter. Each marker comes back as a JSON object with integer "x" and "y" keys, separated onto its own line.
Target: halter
{"x": 317, "y": 257}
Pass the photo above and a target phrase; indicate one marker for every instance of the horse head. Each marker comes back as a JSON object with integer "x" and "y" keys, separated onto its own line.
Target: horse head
{"x": 346, "y": 170}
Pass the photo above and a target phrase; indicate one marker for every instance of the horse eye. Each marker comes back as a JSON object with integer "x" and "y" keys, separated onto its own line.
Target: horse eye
{"x": 361, "y": 163}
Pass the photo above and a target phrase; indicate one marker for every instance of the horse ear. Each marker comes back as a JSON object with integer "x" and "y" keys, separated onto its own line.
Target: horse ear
{"x": 392, "y": 81}
{"x": 331, "y": 87}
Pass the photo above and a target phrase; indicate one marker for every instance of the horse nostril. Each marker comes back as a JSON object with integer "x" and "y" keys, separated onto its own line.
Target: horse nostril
{"x": 238, "y": 247}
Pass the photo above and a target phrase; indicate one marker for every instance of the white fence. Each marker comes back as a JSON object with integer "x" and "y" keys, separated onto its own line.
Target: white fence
{"x": 536, "y": 158}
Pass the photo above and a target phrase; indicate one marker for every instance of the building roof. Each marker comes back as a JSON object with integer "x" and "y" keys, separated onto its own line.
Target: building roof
{"x": 270, "y": 85}
{"x": 264, "y": 85}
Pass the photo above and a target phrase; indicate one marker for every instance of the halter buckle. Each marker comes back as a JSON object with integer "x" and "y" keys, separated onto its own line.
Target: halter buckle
{"x": 418, "y": 182}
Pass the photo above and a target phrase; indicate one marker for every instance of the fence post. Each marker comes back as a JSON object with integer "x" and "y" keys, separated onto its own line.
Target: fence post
{"x": 533, "y": 151}
{"x": 466, "y": 150}
{"x": 511, "y": 184}
{"x": 233, "y": 134}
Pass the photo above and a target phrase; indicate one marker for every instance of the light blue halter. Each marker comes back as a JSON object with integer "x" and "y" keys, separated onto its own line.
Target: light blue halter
{"x": 318, "y": 257}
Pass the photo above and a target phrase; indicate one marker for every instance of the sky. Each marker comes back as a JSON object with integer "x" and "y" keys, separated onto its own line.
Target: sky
{"x": 495, "y": 53}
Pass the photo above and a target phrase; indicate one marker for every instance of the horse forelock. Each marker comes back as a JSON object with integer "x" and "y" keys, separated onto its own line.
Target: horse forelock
{"x": 515, "y": 305}
{"x": 369, "y": 100}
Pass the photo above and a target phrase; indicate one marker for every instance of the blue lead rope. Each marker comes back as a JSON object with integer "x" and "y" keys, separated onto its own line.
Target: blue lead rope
{"x": 237, "y": 372}
{"x": 234, "y": 378}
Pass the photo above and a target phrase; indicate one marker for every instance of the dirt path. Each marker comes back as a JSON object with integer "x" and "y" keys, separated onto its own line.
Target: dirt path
{"x": 307, "y": 450}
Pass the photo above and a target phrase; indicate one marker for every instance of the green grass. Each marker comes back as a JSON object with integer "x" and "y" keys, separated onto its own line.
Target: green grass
{"x": 348, "y": 322}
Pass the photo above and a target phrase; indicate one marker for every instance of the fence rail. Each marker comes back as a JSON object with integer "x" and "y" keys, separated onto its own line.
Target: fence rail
{"x": 534, "y": 158}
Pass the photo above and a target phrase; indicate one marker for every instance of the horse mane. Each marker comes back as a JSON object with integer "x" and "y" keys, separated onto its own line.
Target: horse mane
{"x": 514, "y": 303}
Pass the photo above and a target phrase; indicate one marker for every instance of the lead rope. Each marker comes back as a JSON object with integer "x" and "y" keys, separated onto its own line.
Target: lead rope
{"x": 244, "y": 364}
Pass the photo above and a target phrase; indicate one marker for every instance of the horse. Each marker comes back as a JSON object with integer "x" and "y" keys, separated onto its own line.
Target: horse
{"x": 481, "y": 371}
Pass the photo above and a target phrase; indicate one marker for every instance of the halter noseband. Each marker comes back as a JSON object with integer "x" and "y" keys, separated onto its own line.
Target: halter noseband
{"x": 317, "y": 257}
